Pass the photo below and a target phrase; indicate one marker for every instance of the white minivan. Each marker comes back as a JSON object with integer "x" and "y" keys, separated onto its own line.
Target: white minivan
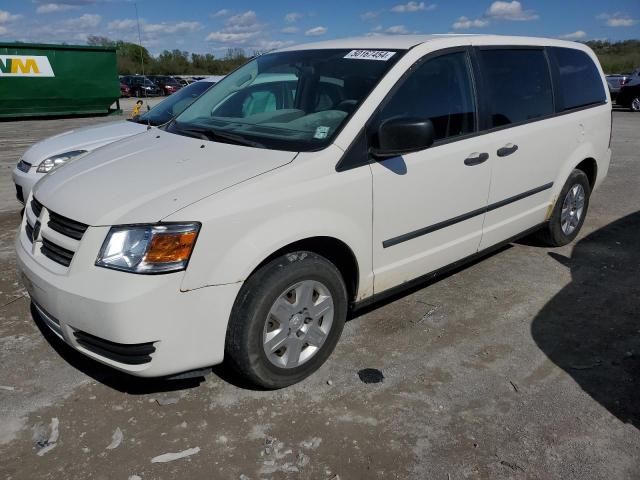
{"x": 251, "y": 224}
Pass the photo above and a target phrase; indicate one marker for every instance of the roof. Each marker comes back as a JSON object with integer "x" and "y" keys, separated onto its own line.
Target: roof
{"x": 53, "y": 46}
{"x": 405, "y": 42}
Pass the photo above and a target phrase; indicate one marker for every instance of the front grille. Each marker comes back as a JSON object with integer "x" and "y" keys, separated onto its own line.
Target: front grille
{"x": 24, "y": 166}
{"x": 36, "y": 207}
{"x": 51, "y": 247}
{"x": 29, "y": 229}
{"x": 66, "y": 226}
{"x": 127, "y": 353}
{"x": 19, "y": 194}
{"x": 57, "y": 254}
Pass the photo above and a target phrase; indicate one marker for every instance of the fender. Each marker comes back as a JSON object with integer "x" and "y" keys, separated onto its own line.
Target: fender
{"x": 245, "y": 224}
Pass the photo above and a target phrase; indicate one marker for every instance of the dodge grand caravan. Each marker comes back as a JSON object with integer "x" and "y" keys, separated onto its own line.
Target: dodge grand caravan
{"x": 248, "y": 226}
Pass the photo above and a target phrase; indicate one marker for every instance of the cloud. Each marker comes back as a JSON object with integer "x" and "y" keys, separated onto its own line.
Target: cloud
{"x": 124, "y": 24}
{"x": 271, "y": 44}
{"x": 577, "y": 35}
{"x": 83, "y": 22}
{"x": 6, "y": 17}
{"x": 413, "y": 7}
{"x": 292, "y": 17}
{"x": 372, "y": 15}
{"x": 152, "y": 31}
{"x": 465, "y": 23}
{"x": 397, "y": 30}
{"x": 243, "y": 22}
{"x": 54, "y": 7}
{"x": 510, "y": 11}
{"x": 222, "y": 13}
{"x": 617, "y": 19}
{"x": 230, "y": 37}
{"x": 290, "y": 30}
{"x": 3, "y": 30}
{"x": 316, "y": 31}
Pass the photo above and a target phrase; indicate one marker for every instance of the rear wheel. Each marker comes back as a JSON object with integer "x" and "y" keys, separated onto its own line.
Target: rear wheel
{"x": 635, "y": 104}
{"x": 569, "y": 211}
{"x": 287, "y": 320}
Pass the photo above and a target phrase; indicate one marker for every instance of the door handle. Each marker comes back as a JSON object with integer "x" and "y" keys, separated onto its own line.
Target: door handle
{"x": 476, "y": 159}
{"x": 507, "y": 150}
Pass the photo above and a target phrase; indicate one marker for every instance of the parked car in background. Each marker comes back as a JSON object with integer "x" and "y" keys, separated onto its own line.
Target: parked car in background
{"x": 310, "y": 182}
{"x": 49, "y": 154}
{"x": 125, "y": 91}
{"x": 167, "y": 84}
{"x": 629, "y": 97}
{"x": 632, "y": 79}
{"x": 615, "y": 82}
{"x": 140, "y": 86}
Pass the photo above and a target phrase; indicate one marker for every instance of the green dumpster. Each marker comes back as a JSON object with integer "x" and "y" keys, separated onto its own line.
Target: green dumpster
{"x": 39, "y": 80}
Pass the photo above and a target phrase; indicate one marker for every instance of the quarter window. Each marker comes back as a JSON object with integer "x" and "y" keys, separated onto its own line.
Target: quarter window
{"x": 580, "y": 81}
{"x": 440, "y": 90}
{"x": 518, "y": 85}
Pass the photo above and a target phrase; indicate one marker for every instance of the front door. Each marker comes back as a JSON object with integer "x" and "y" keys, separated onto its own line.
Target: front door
{"x": 429, "y": 206}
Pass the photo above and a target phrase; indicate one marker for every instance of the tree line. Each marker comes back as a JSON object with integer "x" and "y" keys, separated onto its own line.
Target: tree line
{"x": 615, "y": 57}
{"x": 132, "y": 57}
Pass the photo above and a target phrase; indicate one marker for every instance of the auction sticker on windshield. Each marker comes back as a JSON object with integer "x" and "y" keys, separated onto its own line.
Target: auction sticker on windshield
{"x": 370, "y": 55}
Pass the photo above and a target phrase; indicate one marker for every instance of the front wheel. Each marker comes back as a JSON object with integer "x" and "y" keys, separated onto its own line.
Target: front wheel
{"x": 635, "y": 104}
{"x": 286, "y": 320}
{"x": 569, "y": 211}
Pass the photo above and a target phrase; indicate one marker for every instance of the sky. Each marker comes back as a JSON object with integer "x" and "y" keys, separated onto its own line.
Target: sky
{"x": 203, "y": 26}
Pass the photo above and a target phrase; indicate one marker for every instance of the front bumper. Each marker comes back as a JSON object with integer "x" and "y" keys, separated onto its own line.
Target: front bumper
{"x": 98, "y": 312}
{"x": 26, "y": 180}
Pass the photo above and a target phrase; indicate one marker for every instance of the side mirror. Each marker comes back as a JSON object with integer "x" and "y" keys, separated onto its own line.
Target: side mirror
{"x": 398, "y": 136}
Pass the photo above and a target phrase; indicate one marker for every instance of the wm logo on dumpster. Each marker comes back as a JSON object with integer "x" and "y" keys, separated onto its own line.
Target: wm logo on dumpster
{"x": 25, "y": 66}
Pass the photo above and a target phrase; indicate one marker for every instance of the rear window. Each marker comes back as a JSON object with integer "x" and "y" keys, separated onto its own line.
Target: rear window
{"x": 518, "y": 85}
{"x": 579, "y": 78}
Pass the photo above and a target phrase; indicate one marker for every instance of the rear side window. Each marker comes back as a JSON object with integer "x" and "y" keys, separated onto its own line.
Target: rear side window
{"x": 441, "y": 90}
{"x": 518, "y": 85}
{"x": 579, "y": 79}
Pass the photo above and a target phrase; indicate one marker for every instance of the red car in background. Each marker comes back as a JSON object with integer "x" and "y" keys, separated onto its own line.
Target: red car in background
{"x": 125, "y": 91}
{"x": 165, "y": 83}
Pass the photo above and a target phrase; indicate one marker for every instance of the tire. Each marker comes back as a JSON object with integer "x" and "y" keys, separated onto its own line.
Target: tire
{"x": 275, "y": 292}
{"x": 556, "y": 233}
{"x": 635, "y": 104}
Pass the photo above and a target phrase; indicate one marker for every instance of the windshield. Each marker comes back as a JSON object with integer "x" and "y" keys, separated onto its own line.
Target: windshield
{"x": 173, "y": 105}
{"x": 295, "y": 101}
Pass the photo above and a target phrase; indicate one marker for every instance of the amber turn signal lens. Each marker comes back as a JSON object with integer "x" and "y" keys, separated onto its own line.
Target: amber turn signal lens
{"x": 170, "y": 247}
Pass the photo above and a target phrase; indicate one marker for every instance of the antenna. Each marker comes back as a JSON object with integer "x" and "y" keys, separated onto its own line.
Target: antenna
{"x": 135, "y": 5}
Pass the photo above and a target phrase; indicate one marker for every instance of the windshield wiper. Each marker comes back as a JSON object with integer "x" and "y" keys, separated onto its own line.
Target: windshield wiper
{"x": 237, "y": 139}
{"x": 194, "y": 132}
{"x": 213, "y": 135}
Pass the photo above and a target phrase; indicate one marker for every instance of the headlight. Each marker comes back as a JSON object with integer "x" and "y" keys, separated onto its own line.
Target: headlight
{"x": 54, "y": 162}
{"x": 158, "y": 248}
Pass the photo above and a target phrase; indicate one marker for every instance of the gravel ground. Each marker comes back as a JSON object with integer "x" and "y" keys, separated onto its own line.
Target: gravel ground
{"x": 525, "y": 364}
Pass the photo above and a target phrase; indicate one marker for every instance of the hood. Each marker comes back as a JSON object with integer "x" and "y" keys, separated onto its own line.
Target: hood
{"x": 87, "y": 138}
{"x": 149, "y": 176}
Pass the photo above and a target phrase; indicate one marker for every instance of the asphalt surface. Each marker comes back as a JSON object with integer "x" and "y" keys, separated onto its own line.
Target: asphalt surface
{"x": 525, "y": 364}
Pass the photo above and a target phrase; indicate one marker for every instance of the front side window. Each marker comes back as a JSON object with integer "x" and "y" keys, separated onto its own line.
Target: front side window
{"x": 440, "y": 90}
{"x": 295, "y": 101}
{"x": 518, "y": 85}
{"x": 580, "y": 81}
{"x": 173, "y": 104}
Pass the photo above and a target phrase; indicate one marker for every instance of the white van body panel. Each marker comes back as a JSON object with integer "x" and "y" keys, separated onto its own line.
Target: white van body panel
{"x": 146, "y": 179}
{"x": 86, "y": 138}
{"x": 254, "y": 202}
{"x": 304, "y": 199}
